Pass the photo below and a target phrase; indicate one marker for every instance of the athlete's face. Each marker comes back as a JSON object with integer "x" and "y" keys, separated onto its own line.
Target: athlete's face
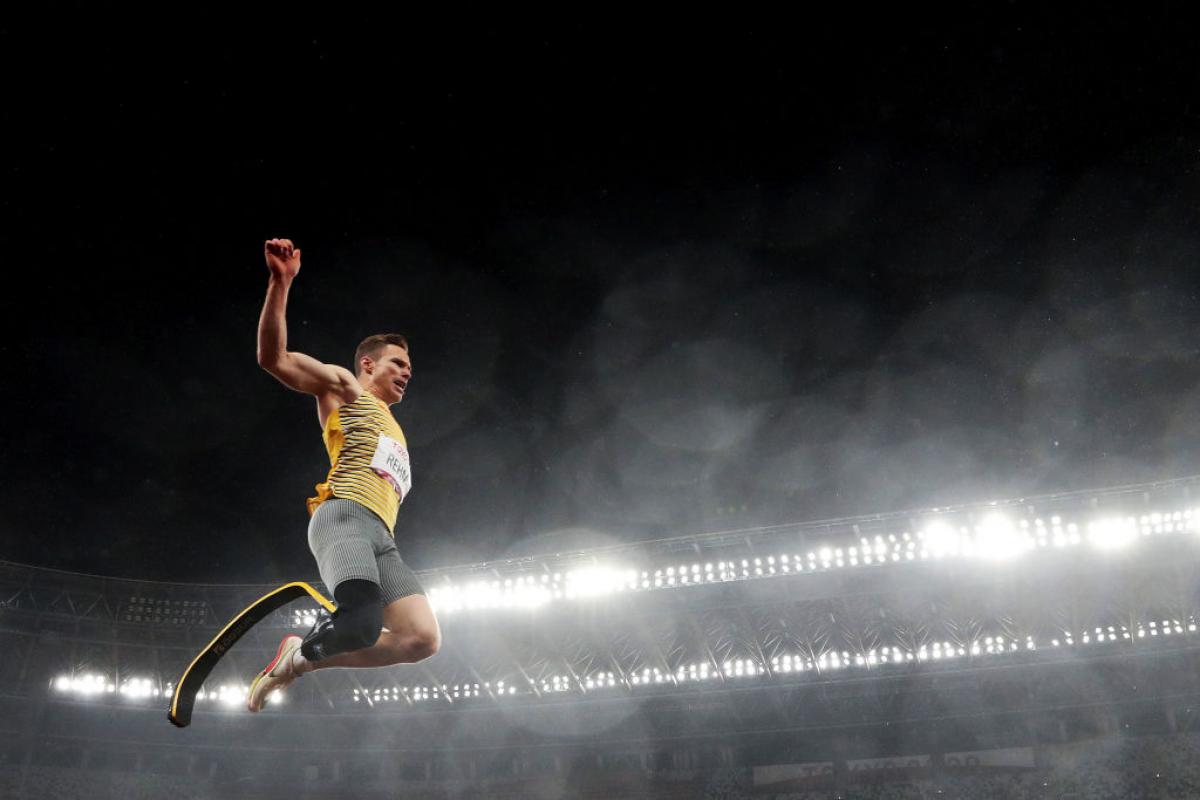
{"x": 389, "y": 373}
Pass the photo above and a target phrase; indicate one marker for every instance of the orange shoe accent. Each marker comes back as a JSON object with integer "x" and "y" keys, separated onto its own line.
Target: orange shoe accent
{"x": 268, "y": 680}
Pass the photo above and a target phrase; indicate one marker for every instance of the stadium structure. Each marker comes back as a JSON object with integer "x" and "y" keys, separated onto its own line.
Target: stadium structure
{"x": 1038, "y": 647}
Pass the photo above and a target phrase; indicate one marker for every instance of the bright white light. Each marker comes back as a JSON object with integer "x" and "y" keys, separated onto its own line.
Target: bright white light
{"x": 304, "y": 618}
{"x": 1113, "y": 533}
{"x": 940, "y": 539}
{"x": 89, "y": 684}
{"x": 231, "y": 695}
{"x": 996, "y": 539}
{"x": 137, "y": 688}
{"x": 598, "y": 581}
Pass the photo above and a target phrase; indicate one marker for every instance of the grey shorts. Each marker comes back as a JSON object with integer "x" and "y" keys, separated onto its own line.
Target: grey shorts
{"x": 350, "y": 541}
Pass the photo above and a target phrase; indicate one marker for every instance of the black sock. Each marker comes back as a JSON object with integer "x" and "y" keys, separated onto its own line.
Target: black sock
{"x": 355, "y": 625}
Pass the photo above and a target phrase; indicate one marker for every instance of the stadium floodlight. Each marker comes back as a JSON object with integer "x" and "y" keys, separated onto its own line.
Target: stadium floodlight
{"x": 940, "y": 539}
{"x": 138, "y": 688}
{"x": 1113, "y": 533}
{"x": 532, "y": 596}
{"x": 304, "y": 618}
{"x": 229, "y": 694}
{"x": 599, "y": 581}
{"x": 997, "y": 539}
{"x": 89, "y": 684}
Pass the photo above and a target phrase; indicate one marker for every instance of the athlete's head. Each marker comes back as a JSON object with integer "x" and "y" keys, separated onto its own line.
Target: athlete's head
{"x": 383, "y": 367}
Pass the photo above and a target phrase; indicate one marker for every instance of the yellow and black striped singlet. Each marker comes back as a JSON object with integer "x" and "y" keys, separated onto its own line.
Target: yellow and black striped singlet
{"x": 351, "y": 435}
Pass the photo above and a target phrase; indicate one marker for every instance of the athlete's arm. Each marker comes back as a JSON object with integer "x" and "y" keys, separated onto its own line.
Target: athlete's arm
{"x": 294, "y": 370}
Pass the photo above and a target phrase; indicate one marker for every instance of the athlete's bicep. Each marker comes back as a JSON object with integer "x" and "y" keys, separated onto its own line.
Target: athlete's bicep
{"x": 306, "y": 374}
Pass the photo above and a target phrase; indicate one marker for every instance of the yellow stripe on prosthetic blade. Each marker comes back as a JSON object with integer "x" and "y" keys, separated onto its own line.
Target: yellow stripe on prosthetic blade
{"x": 194, "y": 676}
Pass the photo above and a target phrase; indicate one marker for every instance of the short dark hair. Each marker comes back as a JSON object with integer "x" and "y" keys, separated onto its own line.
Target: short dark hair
{"x": 372, "y": 345}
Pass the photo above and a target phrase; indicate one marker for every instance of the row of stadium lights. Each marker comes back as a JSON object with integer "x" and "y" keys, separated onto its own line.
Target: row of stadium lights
{"x": 995, "y": 538}
{"x": 780, "y": 665}
{"x": 417, "y": 694}
{"x": 160, "y": 611}
{"x": 739, "y": 668}
{"x": 91, "y": 685}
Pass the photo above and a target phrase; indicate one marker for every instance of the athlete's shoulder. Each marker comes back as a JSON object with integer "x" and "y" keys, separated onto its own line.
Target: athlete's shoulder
{"x": 347, "y": 392}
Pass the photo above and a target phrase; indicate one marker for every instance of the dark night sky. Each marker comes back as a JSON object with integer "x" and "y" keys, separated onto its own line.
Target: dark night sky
{"x": 655, "y": 283}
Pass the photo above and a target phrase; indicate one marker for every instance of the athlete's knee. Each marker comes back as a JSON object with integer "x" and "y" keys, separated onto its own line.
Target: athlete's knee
{"x": 424, "y": 642}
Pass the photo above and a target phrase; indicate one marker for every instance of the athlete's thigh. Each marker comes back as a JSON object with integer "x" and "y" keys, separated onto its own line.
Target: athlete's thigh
{"x": 340, "y": 538}
{"x": 396, "y": 578}
{"x": 411, "y": 615}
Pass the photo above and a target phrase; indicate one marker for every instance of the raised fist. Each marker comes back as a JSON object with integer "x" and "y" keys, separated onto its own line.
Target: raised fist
{"x": 283, "y": 258}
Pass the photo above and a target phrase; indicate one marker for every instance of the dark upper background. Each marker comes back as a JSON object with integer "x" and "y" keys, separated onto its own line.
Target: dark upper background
{"x": 656, "y": 281}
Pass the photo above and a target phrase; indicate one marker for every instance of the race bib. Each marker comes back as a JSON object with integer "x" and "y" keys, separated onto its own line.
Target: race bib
{"x": 391, "y": 464}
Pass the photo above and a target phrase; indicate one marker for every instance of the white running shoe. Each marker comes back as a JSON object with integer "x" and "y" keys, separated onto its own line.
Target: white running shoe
{"x": 277, "y": 675}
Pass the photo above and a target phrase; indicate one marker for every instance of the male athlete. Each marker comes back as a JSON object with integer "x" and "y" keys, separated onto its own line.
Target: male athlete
{"x": 383, "y": 616}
